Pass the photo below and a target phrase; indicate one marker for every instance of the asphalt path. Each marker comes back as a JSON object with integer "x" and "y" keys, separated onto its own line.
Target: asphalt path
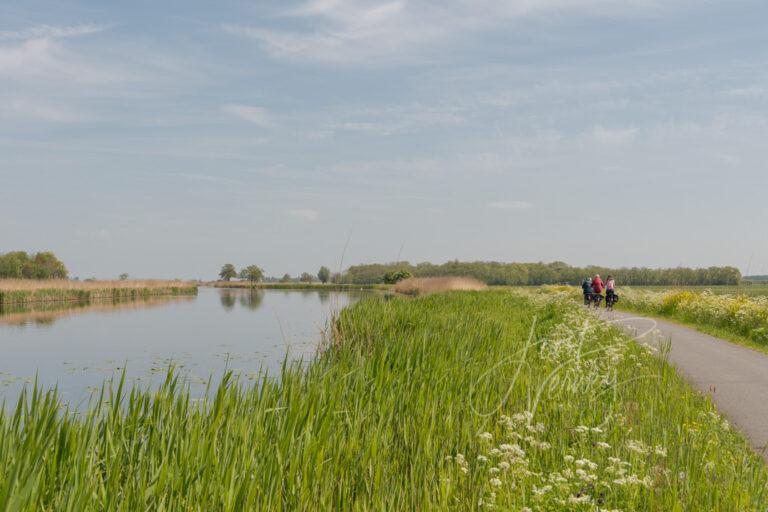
{"x": 735, "y": 377}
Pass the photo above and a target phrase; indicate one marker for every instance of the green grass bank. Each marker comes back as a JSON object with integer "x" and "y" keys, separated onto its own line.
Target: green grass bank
{"x": 456, "y": 401}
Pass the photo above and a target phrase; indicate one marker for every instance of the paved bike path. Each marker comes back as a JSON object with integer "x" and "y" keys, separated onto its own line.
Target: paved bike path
{"x": 734, "y": 376}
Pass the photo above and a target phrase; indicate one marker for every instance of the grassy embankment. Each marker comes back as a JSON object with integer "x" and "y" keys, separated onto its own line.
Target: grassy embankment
{"x": 739, "y": 318}
{"x": 20, "y": 292}
{"x": 296, "y": 286}
{"x": 446, "y": 402}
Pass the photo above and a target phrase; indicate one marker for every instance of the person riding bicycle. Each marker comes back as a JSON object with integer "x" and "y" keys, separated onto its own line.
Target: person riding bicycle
{"x": 586, "y": 288}
{"x": 597, "y": 287}
{"x": 610, "y": 292}
{"x": 597, "y": 284}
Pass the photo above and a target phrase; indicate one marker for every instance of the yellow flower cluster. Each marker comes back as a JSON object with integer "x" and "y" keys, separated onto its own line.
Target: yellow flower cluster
{"x": 744, "y": 315}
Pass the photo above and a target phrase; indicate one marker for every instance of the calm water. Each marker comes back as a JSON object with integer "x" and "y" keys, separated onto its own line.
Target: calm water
{"x": 243, "y": 330}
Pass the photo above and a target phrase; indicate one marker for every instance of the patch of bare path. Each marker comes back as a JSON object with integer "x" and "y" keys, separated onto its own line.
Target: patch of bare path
{"x": 734, "y": 376}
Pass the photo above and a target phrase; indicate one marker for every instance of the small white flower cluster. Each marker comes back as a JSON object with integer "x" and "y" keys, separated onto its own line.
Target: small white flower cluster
{"x": 510, "y": 466}
{"x": 461, "y": 462}
{"x": 640, "y": 448}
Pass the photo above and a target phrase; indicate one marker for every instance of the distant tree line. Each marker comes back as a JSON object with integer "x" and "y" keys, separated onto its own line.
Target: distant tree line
{"x": 523, "y": 274}
{"x": 254, "y": 273}
{"x": 42, "y": 265}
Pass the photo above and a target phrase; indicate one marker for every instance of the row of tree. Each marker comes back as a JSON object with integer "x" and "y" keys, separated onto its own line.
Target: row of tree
{"x": 21, "y": 265}
{"x": 254, "y": 273}
{"x": 524, "y": 274}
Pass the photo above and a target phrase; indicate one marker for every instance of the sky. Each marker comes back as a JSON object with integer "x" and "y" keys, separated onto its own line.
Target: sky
{"x": 164, "y": 139}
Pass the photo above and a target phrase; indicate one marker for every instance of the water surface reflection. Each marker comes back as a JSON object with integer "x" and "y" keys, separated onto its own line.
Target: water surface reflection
{"x": 240, "y": 329}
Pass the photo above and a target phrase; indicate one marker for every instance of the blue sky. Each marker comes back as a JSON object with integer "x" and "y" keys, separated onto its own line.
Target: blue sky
{"x": 166, "y": 138}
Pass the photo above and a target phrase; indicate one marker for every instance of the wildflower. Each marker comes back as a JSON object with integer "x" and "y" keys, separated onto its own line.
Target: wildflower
{"x": 513, "y": 449}
{"x": 602, "y": 444}
{"x": 522, "y": 417}
{"x": 486, "y": 436}
{"x": 637, "y": 447}
{"x": 495, "y": 482}
{"x": 541, "y": 491}
{"x": 482, "y": 459}
{"x": 585, "y": 462}
{"x": 568, "y": 458}
{"x": 503, "y": 465}
{"x": 660, "y": 451}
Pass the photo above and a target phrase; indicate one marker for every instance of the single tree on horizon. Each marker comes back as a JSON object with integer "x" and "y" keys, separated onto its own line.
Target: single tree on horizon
{"x": 324, "y": 274}
{"x": 286, "y": 278}
{"x": 228, "y": 272}
{"x": 306, "y": 277}
{"x": 252, "y": 273}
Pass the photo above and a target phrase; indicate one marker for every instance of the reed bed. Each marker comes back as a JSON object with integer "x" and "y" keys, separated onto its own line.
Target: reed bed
{"x": 426, "y": 285}
{"x": 456, "y": 401}
{"x": 21, "y": 291}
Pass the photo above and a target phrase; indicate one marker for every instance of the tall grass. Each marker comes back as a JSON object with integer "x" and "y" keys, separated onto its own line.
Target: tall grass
{"x": 21, "y": 291}
{"x": 448, "y": 402}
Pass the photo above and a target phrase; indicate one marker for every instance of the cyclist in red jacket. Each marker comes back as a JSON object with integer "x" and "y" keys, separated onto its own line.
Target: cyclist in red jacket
{"x": 597, "y": 284}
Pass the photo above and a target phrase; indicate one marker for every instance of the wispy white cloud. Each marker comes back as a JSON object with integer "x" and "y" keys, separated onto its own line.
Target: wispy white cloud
{"x": 369, "y": 32}
{"x": 51, "y": 32}
{"x": 509, "y": 205}
{"x": 256, "y": 115}
{"x": 396, "y": 119}
{"x": 43, "y": 60}
{"x": 613, "y": 136}
{"x": 25, "y": 108}
{"x": 304, "y": 214}
{"x": 206, "y": 178}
